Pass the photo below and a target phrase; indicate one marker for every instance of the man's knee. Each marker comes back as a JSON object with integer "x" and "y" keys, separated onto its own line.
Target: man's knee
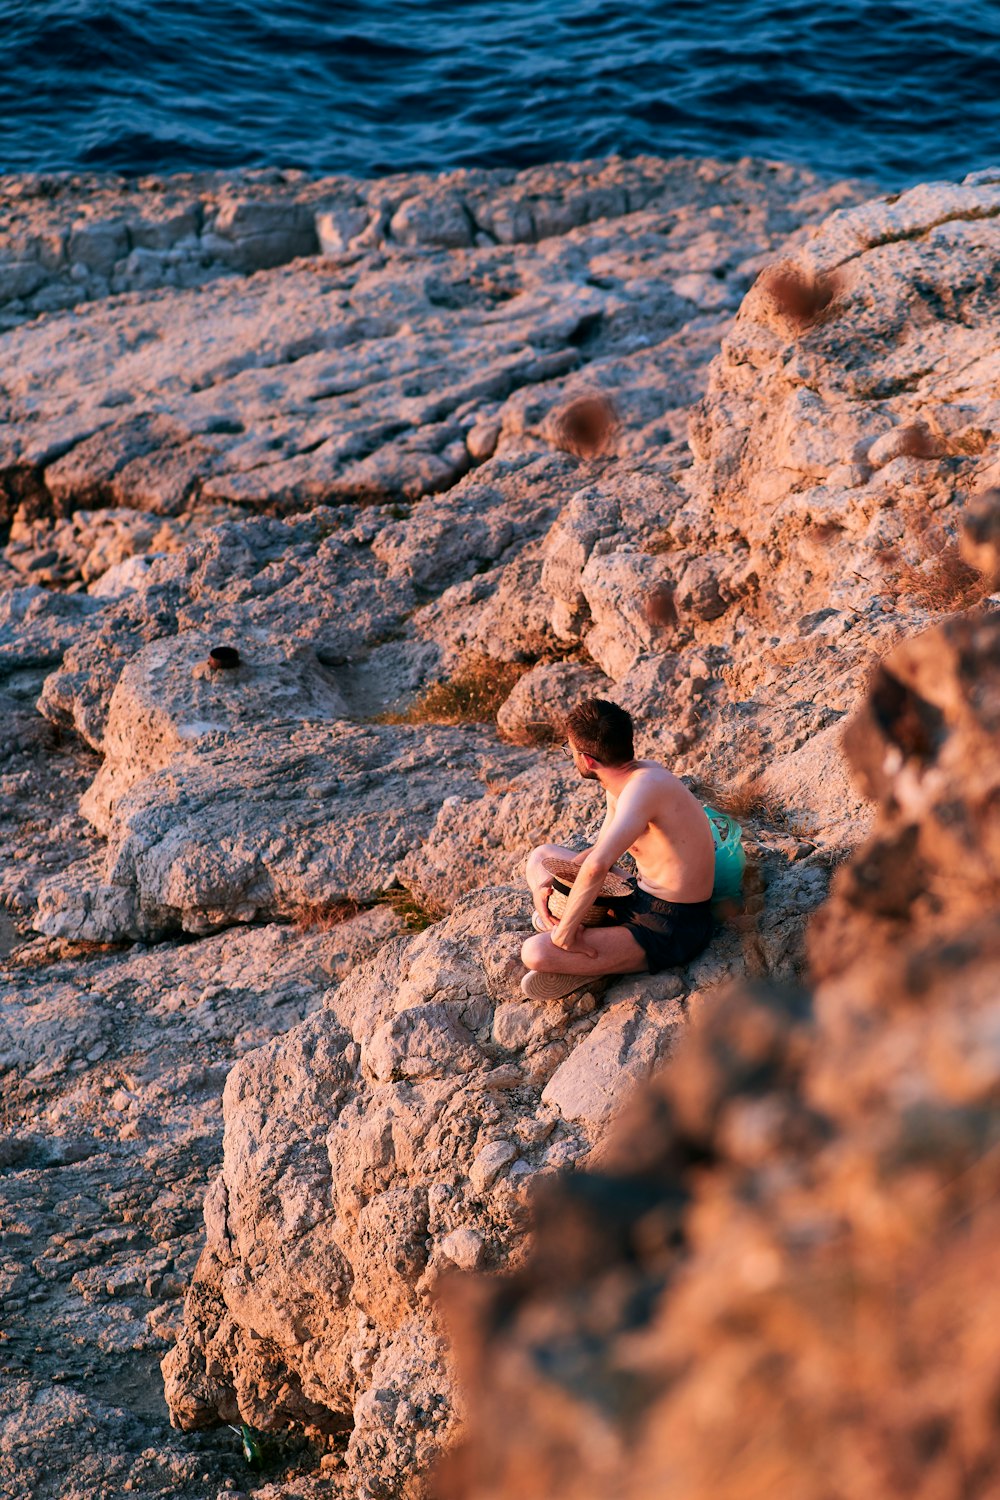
{"x": 538, "y": 854}
{"x": 542, "y": 852}
{"x": 534, "y": 951}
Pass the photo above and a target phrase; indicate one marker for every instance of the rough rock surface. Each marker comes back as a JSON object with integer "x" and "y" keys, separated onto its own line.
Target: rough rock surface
{"x": 516, "y": 561}
{"x": 332, "y": 424}
{"x": 392, "y": 1137}
{"x": 777, "y": 1275}
{"x": 113, "y": 1063}
{"x": 361, "y": 373}
{"x": 73, "y": 239}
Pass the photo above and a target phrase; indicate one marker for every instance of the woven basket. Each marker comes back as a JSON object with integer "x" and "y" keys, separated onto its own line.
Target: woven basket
{"x": 609, "y": 904}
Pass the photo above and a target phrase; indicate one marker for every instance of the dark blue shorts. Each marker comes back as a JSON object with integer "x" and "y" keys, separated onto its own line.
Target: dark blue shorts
{"x": 670, "y": 933}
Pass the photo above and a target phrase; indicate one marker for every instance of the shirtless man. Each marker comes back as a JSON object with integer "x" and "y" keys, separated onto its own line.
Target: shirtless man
{"x": 654, "y": 816}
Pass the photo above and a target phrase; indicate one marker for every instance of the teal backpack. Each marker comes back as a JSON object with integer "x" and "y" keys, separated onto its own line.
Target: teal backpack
{"x": 730, "y": 856}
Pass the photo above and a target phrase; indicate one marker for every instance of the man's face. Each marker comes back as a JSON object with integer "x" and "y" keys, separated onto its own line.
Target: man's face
{"x": 582, "y": 762}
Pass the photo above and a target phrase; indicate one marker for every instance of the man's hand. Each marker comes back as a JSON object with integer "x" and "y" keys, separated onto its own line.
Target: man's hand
{"x": 540, "y": 895}
{"x": 567, "y": 940}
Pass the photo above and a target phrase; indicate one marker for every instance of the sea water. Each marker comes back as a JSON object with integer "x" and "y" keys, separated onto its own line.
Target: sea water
{"x": 899, "y": 92}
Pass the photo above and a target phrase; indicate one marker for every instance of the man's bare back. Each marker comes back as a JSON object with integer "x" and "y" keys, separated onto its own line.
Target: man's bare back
{"x": 674, "y": 852}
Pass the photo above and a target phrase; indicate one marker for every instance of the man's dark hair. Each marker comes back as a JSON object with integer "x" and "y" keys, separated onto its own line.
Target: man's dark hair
{"x": 602, "y": 730}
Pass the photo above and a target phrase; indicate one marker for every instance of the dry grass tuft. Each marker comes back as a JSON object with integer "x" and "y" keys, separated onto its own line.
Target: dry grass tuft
{"x": 798, "y": 295}
{"x": 415, "y": 915}
{"x": 537, "y": 733}
{"x": 472, "y": 695}
{"x": 323, "y": 916}
{"x": 947, "y": 584}
{"x": 44, "y": 952}
{"x": 659, "y": 606}
{"x": 943, "y": 582}
{"x": 661, "y": 542}
{"x": 748, "y": 799}
{"x": 588, "y": 426}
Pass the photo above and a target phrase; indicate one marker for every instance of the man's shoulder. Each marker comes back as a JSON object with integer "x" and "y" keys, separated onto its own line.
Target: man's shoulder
{"x": 650, "y": 779}
{"x": 657, "y": 782}
{"x": 654, "y": 770}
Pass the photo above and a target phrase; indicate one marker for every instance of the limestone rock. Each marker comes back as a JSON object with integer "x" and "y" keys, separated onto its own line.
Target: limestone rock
{"x": 540, "y": 700}
{"x": 383, "y": 1141}
{"x": 349, "y": 466}
{"x": 36, "y": 627}
{"x": 169, "y": 698}
{"x": 112, "y": 1067}
{"x": 836, "y": 431}
{"x": 84, "y": 546}
{"x": 262, "y": 233}
{"x": 617, "y": 586}
{"x": 246, "y": 826}
{"x": 624, "y": 1046}
{"x": 485, "y": 837}
{"x": 587, "y": 519}
{"x": 77, "y": 238}
{"x": 814, "y": 790}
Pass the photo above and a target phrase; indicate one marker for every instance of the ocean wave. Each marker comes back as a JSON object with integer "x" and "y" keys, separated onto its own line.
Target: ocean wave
{"x": 896, "y": 91}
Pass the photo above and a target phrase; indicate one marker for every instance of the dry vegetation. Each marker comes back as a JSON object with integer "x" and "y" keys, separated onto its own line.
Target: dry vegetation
{"x": 943, "y": 581}
{"x": 797, "y": 294}
{"x": 947, "y": 584}
{"x": 539, "y": 733}
{"x": 588, "y": 426}
{"x": 415, "y": 915}
{"x": 324, "y": 916}
{"x": 472, "y": 695}
{"x": 660, "y": 543}
{"x": 748, "y": 799}
{"x": 41, "y": 953}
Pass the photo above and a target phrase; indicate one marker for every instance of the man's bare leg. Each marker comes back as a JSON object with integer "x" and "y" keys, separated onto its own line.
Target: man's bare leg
{"x": 596, "y": 951}
{"x": 613, "y": 950}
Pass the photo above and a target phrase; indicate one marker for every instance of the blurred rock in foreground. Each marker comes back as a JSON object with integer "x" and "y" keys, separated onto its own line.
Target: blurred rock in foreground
{"x": 777, "y": 1276}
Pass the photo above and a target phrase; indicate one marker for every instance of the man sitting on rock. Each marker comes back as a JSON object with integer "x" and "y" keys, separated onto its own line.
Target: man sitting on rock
{"x": 654, "y": 816}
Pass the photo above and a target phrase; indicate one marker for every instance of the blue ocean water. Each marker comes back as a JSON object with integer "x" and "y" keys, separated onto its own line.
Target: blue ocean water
{"x": 901, "y": 90}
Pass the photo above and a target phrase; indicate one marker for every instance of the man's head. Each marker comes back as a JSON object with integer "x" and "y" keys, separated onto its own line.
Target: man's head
{"x": 599, "y": 732}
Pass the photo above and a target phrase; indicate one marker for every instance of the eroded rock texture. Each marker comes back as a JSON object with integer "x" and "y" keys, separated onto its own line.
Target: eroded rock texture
{"x": 394, "y": 1136}
{"x": 113, "y": 1064}
{"x": 777, "y": 1274}
{"x": 550, "y": 430}
{"x": 348, "y": 392}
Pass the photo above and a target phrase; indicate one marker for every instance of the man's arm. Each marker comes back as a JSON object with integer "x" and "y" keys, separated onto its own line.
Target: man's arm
{"x": 631, "y": 818}
{"x": 540, "y": 881}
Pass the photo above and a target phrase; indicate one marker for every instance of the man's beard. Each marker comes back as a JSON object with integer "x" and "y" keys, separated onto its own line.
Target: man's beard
{"x": 589, "y": 775}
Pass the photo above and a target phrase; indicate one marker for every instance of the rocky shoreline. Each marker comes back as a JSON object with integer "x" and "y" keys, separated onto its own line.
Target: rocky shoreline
{"x": 336, "y": 425}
